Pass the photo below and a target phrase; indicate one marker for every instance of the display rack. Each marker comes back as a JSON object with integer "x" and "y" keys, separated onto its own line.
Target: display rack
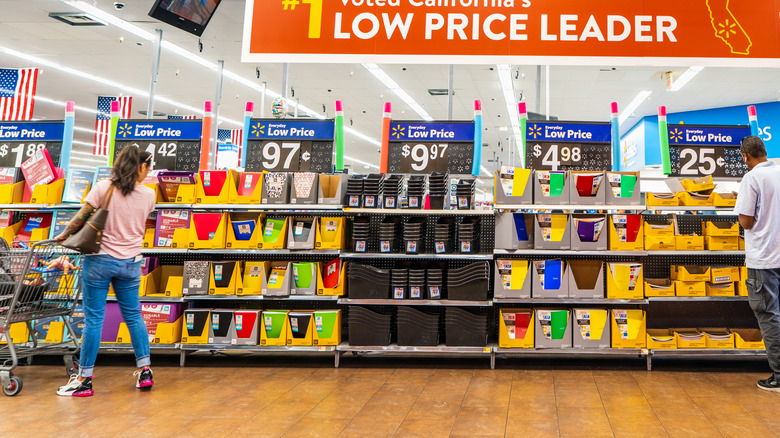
{"x": 488, "y": 350}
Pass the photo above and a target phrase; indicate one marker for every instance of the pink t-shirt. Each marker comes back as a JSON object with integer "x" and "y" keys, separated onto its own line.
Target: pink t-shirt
{"x": 126, "y": 224}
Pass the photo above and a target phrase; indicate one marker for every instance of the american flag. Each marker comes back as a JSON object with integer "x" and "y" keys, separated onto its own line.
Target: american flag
{"x": 232, "y": 136}
{"x": 103, "y": 120}
{"x": 17, "y": 93}
{"x": 187, "y": 117}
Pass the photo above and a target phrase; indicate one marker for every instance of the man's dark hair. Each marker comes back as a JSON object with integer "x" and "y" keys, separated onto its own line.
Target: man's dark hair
{"x": 753, "y": 146}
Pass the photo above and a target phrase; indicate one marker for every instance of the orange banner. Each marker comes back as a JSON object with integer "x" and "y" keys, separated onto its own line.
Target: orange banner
{"x": 681, "y": 32}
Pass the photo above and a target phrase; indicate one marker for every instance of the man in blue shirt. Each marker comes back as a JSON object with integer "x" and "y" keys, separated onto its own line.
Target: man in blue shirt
{"x": 758, "y": 207}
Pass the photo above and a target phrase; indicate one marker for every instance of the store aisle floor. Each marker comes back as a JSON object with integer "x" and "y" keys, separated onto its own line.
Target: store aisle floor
{"x": 398, "y": 398}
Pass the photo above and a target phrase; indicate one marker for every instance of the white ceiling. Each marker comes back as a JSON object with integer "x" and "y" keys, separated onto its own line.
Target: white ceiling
{"x": 576, "y": 93}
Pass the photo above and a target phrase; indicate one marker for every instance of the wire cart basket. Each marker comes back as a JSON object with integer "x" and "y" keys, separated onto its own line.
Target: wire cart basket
{"x": 40, "y": 281}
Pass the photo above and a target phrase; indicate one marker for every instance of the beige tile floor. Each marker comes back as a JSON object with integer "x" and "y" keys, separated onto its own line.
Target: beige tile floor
{"x": 399, "y": 397}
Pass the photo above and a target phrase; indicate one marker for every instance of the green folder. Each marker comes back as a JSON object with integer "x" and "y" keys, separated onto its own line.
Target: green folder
{"x": 273, "y": 322}
{"x": 627, "y": 185}
{"x": 273, "y": 228}
{"x": 325, "y": 322}
{"x": 303, "y": 273}
{"x": 556, "y": 184}
{"x": 559, "y": 320}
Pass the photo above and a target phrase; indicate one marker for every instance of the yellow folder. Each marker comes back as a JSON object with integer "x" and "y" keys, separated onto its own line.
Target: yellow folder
{"x": 519, "y": 181}
{"x": 519, "y": 272}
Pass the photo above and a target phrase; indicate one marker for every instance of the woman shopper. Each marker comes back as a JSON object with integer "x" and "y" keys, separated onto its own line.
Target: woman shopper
{"x": 119, "y": 264}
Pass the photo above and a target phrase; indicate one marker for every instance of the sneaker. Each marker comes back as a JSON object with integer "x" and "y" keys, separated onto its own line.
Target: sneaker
{"x": 770, "y": 384}
{"x": 144, "y": 378}
{"x": 74, "y": 388}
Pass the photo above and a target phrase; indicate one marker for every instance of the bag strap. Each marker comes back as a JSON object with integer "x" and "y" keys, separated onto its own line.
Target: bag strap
{"x": 109, "y": 194}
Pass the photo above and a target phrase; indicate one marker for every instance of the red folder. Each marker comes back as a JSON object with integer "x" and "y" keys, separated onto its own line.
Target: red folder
{"x": 633, "y": 224}
{"x": 247, "y": 183}
{"x": 213, "y": 181}
{"x": 584, "y": 185}
{"x": 206, "y": 224}
{"x": 39, "y": 169}
{"x": 522, "y": 321}
{"x": 332, "y": 274}
{"x": 248, "y": 319}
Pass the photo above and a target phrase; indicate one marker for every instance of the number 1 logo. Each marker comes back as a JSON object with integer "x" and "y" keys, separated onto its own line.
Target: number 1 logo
{"x": 315, "y": 14}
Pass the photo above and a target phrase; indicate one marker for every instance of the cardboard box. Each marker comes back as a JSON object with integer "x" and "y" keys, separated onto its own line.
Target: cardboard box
{"x": 48, "y": 193}
{"x": 689, "y": 243}
{"x": 544, "y": 194}
{"x": 623, "y": 188}
{"x": 331, "y": 233}
{"x": 586, "y": 278}
{"x": 165, "y": 281}
{"x": 276, "y": 188}
{"x": 520, "y": 189}
{"x": 695, "y": 200}
{"x": 625, "y": 281}
{"x": 585, "y": 228}
{"x": 659, "y": 243}
{"x": 548, "y": 283}
{"x": 254, "y": 274}
{"x": 720, "y": 228}
{"x": 741, "y": 286}
{"x": 516, "y": 328}
{"x": 748, "y": 339}
{"x": 214, "y": 181}
{"x": 195, "y": 326}
{"x": 248, "y": 188}
{"x": 690, "y": 288}
{"x": 514, "y": 230}
{"x": 689, "y": 338}
{"x": 241, "y": 221}
{"x": 591, "y": 328}
{"x": 553, "y": 328}
{"x": 664, "y": 287}
{"x": 274, "y": 328}
{"x": 274, "y": 234}
{"x": 625, "y": 233}
{"x": 658, "y": 228}
{"x": 662, "y": 199}
{"x": 724, "y": 274}
{"x": 690, "y": 273}
{"x": 661, "y": 339}
{"x": 222, "y": 329}
{"x": 720, "y": 289}
{"x": 332, "y": 189}
{"x": 304, "y": 276}
{"x": 718, "y": 338}
{"x": 629, "y": 328}
{"x": 11, "y": 193}
{"x": 300, "y": 327}
{"x": 299, "y": 195}
{"x": 724, "y": 199}
{"x": 163, "y": 322}
{"x": 741, "y": 244}
{"x": 301, "y": 232}
{"x": 512, "y": 279}
{"x": 201, "y": 234}
{"x": 225, "y": 278}
{"x": 278, "y": 279}
{"x": 247, "y": 324}
{"x": 721, "y": 243}
{"x": 591, "y": 182}
{"x": 338, "y": 290}
{"x": 699, "y": 185}
{"x": 552, "y": 231}
{"x": 327, "y": 327}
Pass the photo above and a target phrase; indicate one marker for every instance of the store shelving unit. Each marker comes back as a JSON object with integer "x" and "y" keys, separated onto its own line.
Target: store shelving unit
{"x": 488, "y": 350}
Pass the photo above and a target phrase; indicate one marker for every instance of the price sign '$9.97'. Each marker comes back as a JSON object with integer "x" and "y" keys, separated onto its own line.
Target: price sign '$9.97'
{"x": 14, "y": 154}
{"x": 424, "y": 158}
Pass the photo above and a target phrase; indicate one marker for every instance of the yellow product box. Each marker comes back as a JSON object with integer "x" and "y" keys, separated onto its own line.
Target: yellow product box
{"x": 158, "y": 197}
{"x": 327, "y": 327}
{"x": 718, "y": 338}
{"x": 516, "y": 328}
{"x": 247, "y": 188}
{"x": 629, "y": 328}
{"x": 9, "y": 233}
{"x": 222, "y": 282}
{"x": 724, "y": 199}
{"x": 662, "y": 199}
{"x": 659, "y": 287}
{"x": 625, "y": 281}
{"x": 326, "y": 270}
{"x": 690, "y": 288}
{"x": 201, "y": 236}
{"x": 11, "y": 193}
{"x": 55, "y": 331}
{"x": 172, "y": 280}
{"x": 18, "y": 331}
{"x": 195, "y": 326}
{"x": 274, "y": 234}
{"x": 748, "y": 339}
{"x": 48, "y": 193}
{"x": 254, "y": 273}
{"x": 331, "y": 233}
{"x": 300, "y": 327}
{"x": 185, "y": 193}
{"x": 625, "y": 233}
{"x": 720, "y": 289}
{"x": 741, "y": 286}
{"x": 720, "y": 228}
{"x": 690, "y": 273}
{"x": 724, "y": 274}
{"x": 695, "y": 200}
{"x": 661, "y": 339}
{"x": 689, "y": 243}
{"x": 699, "y": 185}
{"x": 658, "y": 228}
{"x": 741, "y": 244}
{"x": 721, "y": 243}
{"x": 273, "y": 330}
{"x": 689, "y": 338}
{"x": 214, "y": 186}
{"x": 168, "y": 332}
{"x": 241, "y": 234}
{"x": 659, "y": 243}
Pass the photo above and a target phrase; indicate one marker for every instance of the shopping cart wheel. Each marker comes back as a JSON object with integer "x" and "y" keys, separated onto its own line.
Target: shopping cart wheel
{"x": 71, "y": 365}
{"x": 14, "y": 387}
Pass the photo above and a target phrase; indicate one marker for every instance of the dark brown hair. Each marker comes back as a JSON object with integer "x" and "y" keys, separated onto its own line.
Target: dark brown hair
{"x": 753, "y": 146}
{"x": 126, "y": 167}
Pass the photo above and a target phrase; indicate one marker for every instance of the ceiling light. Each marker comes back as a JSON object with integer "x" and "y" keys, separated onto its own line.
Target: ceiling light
{"x": 400, "y": 92}
{"x": 507, "y": 87}
{"x": 685, "y": 78}
{"x": 76, "y": 18}
{"x": 631, "y": 107}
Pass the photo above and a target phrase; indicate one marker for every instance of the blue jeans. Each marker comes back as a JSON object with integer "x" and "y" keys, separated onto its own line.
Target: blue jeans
{"x": 100, "y": 271}
{"x": 763, "y": 287}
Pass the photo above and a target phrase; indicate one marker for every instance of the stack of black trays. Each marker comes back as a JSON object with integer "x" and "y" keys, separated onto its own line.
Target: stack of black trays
{"x": 468, "y": 235}
{"x": 355, "y": 191}
{"x": 399, "y": 283}
{"x": 368, "y": 283}
{"x": 416, "y": 284}
{"x": 372, "y": 188}
{"x": 464, "y": 329}
{"x": 437, "y": 189}
{"x": 391, "y": 193}
{"x": 464, "y": 192}
{"x": 435, "y": 284}
{"x": 414, "y": 231}
{"x": 368, "y": 328}
{"x": 361, "y": 232}
{"x": 469, "y": 283}
{"x": 415, "y": 191}
{"x": 443, "y": 235}
{"x": 388, "y": 234}
{"x": 417, "y": 328}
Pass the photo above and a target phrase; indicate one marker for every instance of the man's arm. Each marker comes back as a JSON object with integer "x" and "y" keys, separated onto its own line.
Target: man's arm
{"x": 77, "y": 222}
{"x": 746, "y": 221}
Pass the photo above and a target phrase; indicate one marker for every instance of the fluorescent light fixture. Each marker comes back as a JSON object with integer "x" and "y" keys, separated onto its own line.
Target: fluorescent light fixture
{"x": 485, "y": 171}
{"x": 631, "y": 107}
{"x": 685, "y": 78}
{"x": 62, "y": 104}
{"x": 355, "y": 160}
{"x": 400, "y": 92}
{"x": 80, "y": 129}
{"x": 508, "y": 89}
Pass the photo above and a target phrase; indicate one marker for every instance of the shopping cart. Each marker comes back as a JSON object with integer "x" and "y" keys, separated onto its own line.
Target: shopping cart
{"x": 37, "y": 281}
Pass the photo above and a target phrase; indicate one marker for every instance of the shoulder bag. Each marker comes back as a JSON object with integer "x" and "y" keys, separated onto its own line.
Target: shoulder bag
{"x": 87, "y": 240}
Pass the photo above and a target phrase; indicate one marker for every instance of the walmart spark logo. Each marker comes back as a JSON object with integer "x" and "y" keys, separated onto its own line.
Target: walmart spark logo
{"x": 398, "y": 132}
{"x": 535, "y": 131}
{"x": 258, "y": 130}
{"x": 675, "y": 135}
{"x": 125, "y": 130}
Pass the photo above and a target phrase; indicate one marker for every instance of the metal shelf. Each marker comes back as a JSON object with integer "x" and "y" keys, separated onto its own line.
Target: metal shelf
{"x": 40, "y": 206}
{"x": 439, "y": 349}
{"x": 402, "y": 211}
{"x": 566, "y": 301}
{"x": 172, "y": 206}
{"x": 164, "y": 250}
{"x": 532, "y": 252}
{"x": 260, "y": 298}
{"x": 107, "y": 346}
{"x": 302, "y": 252}
{"x": 450, "y": 303}
{"x": 374, "y": 255}
{"x": 269, "y": 207}
{"x": 574, "y": 352}
{"x": 571, "y": 207}
{"x": 260, "y": 348}
{"x": 146, "y": 299}
{"x": 690, "y": 208}
{"x": 695, "y": 299}
{"x": 696, "y": 253}
{"x": 708, "y": 353}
